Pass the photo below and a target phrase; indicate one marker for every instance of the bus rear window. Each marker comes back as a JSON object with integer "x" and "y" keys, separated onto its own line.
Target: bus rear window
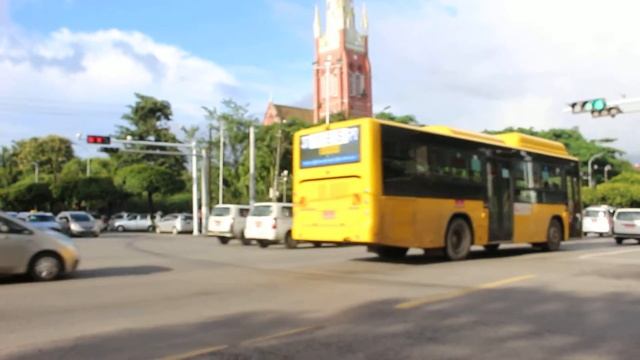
{"x": 332, "y": 147}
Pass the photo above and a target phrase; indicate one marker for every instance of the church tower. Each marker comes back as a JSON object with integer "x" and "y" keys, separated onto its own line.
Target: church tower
{"x": 342, "y": 72}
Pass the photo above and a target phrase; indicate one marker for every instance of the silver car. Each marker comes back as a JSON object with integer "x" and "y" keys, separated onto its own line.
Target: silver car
{"x": 134, "y": 222}
{"x": 42, "y": 221}
{"x": 175, "y": 224}
{"x": 43, "y": 255}
{"x": 78, "y": 223}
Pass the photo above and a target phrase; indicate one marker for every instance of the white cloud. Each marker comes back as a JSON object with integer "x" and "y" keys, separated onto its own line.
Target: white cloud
{"x": 71, "y": 81}
{"x": 489, "y": 64}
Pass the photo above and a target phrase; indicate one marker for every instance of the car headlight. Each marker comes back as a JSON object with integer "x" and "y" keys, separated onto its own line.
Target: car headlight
{"x": 76, "y": 227}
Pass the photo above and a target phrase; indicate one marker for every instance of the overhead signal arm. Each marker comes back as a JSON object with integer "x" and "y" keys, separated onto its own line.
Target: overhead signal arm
{"x": 600, "y": 107}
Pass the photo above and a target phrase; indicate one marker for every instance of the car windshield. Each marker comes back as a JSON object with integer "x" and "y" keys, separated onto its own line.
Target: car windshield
{"x": 80, "y": 217}
{"x": 628, "y": 215}
{"x": 221, "y": 211}
{"x": 594, "y": 213}
{"x": 40, "y": 218}
{"x": 262, "y": 210}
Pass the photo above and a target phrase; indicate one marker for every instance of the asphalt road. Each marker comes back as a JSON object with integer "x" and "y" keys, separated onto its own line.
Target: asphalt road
{"x": 143, "y": 296}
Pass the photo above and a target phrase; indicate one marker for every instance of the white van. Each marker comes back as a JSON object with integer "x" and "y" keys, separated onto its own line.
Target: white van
{"x": 270, "y": 223}
{"x": 597, "y": 220}
{"x": 227, "y": 221}
{"x": 626, "y": 225}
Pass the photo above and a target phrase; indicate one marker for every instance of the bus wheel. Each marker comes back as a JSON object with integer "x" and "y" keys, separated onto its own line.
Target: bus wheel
{"x": 458, "y": 240}
{"x": 317, "y": 244}
{"x": 391, "y": 252}
{"x": 289, "y": 242}
{"x": 491, "y": 247}
{"x": 554, "y": 236}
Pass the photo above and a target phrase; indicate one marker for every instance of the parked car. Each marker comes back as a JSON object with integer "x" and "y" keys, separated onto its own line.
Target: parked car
{"x": 114, "y": 218}
{"x": 175, "y": 224}
{"x": 134, "y": 222}
{"x": 42, "y": 221}
{"x": 12, "y": 214}
{"x": 78, "y": 223}
{"x": 597, "y": 220}
{"x": 270, "y": 223}
{"x": 42, "y": 254}
{"x": 227, "y": 221}
{"x": 626, "y": 225}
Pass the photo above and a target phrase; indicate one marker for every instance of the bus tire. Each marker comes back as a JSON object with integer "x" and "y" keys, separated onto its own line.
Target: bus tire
{"x": 289, "y": 242}
{"x": 391, "y": 252}
{"x": 554, "y": 236}
{"x": 458, "y": 239}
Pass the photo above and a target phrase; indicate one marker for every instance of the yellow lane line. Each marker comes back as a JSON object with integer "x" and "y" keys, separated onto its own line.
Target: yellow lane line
{"x": 213, "y": 349}
{"x": 607, "y": 253}
{"x": 278, "y": 335}
{"x": 196, "y": 353}
{"x": 455, "y": 294}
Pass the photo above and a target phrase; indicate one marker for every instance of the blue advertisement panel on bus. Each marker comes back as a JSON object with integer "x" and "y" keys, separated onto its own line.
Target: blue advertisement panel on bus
{"x": 332, "y": 147}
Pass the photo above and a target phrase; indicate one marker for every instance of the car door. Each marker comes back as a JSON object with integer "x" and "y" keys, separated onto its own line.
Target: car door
{"x": 15, "y": 246}
{"x": 284, "y": 221}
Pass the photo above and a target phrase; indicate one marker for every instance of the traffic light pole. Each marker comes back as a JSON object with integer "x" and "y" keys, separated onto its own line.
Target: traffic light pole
{"x": 194, "y": 188}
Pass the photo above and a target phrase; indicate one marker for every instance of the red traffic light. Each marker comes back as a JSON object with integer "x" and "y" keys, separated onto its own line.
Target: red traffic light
{"x": 100, "y": 140}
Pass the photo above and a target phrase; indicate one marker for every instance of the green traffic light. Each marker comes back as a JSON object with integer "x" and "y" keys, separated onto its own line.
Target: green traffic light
{"x": 598, "y": 104}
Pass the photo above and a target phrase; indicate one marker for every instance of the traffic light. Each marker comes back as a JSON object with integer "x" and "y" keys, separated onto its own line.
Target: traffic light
{"x": 597, "y": 108}
{"x": 98, "y": 140}
{"x": 109, "y": 150}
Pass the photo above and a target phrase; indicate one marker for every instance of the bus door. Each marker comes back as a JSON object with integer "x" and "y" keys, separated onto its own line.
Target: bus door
{"x": 500, "y": 199}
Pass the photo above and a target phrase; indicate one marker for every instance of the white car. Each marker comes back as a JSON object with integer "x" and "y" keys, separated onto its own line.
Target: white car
{"x": 175, "y": 224}
{"x": 597, "y": 220}
{"x": 227, "y": 221}
{"x": 41, "y": 221}
{"x": 626, "y": 225}
{"x": 270, "y": 223}
{"x": 134, "y": 222}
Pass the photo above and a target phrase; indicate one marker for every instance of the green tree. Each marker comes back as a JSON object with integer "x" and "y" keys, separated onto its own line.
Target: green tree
{"x": 96, "y": 193}
{"x": 27, "y": 196}
{"x": 149, "y": 180}
{"x": 148, "y": 119}
{"x": 77, "y": 168}
{"x": 50, "y": 153}
{"x": 404, "y": 119}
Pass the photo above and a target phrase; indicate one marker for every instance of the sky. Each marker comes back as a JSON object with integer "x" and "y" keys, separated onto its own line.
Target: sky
{"x": 72, "y": 66}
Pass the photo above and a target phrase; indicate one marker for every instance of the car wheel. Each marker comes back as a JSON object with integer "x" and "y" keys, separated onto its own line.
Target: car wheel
{"x": 554, "y": 236}
{"x": 619, "y": 240}
{"x": 120, "y": 228}
{"x": 245, "y": 242}
{"x": 174, "y": 231}
{"x": 264, "y": 243}
{"x": 151, "y": 228}
{"x": 289, "y": 242}
{"x": 96, "y": 234}
{"x": 223, "y": 240}
{"x": 391, "y": 252}
{"x": 458, "y": 240}
{"x": 45, "y": 267}
{"x": 492, "y": 247}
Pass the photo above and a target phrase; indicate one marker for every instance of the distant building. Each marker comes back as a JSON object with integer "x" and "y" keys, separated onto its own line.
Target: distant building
{"x": 277, "y": 113}
{"x": 342, "y": 58}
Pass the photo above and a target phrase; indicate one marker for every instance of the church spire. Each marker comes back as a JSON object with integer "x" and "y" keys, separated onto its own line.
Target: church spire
{"x": 316, "y": 24}
{"x": 365, "y": 20}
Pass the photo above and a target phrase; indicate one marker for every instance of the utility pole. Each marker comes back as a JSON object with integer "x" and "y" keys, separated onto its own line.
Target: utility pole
{"x": 606, "y": 172}
{"x": 210, "y": 164}
{"x": 205, "y": 191}
{"x": 221, "y": 165}
{"x": 37, "y": 169}
{"x": 276, "y": 173}
{"x": 285, "y": 177}
{"x": 591, "y": 169}
{"x": 252, "y": 166}
{"x": 194, "y": 186}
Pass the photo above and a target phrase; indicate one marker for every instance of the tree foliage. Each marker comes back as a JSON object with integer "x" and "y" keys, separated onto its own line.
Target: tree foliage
{"x": 51, "y": 153}
{"x": 148, "y": 119}
{"x": 146, "y": 179}
{"x": 27, "y": 196}
{"x": 404, "y": 119}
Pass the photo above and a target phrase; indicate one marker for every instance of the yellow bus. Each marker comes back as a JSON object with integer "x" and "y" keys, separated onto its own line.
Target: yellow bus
{"x": 393, "y": 187}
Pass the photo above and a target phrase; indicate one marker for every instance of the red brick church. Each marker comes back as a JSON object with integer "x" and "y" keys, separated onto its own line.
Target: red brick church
{"x": 341, "y": 70}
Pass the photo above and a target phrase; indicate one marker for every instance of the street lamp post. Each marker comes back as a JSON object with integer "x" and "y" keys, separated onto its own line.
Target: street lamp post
{"x": 37, "y": 170}
{"x": 591, "y": 169}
